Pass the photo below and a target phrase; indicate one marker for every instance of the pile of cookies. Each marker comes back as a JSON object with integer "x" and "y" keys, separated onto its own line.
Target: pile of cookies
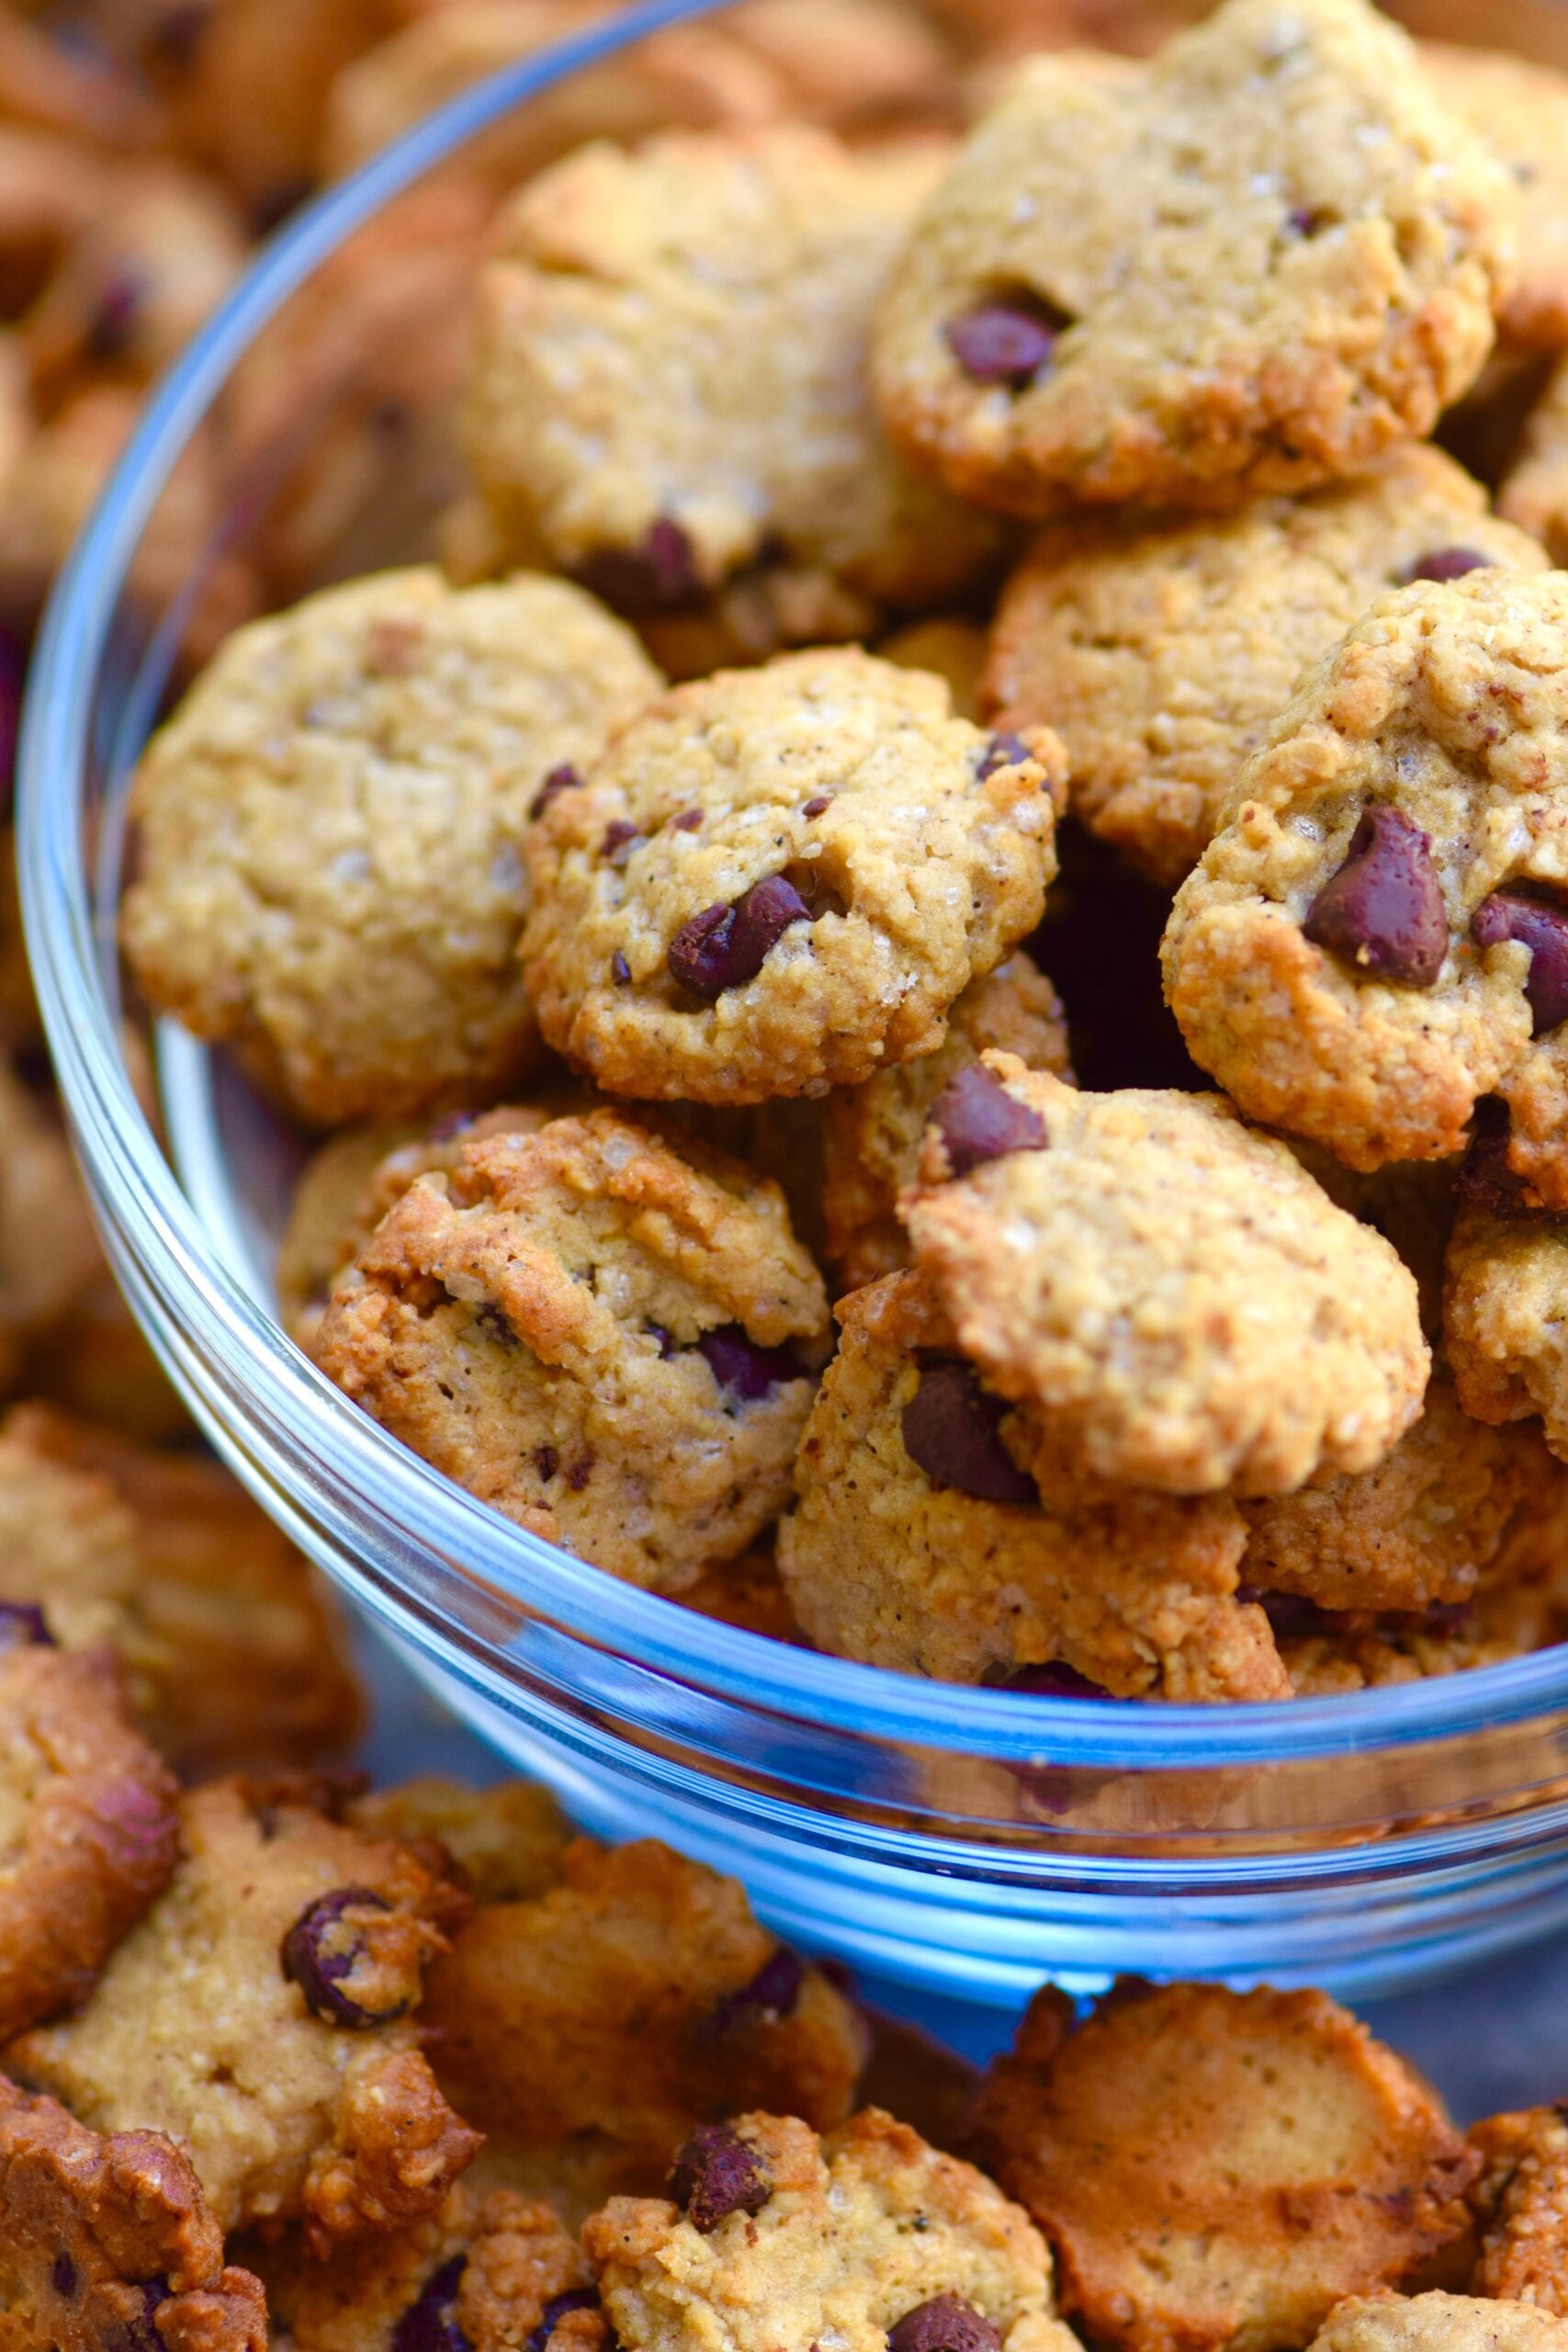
{"x": 288, "y": 2062}
{"x": 1060, "y": 496}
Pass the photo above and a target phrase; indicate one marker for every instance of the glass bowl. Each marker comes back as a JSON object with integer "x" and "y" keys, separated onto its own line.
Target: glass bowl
{"x": 967, "y": 1841}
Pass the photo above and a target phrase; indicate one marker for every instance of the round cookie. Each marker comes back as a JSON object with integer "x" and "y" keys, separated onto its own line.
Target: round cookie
{"x": 1506, "y": 1319}
{"x": 922, "y": 1541}
{"x": 1519, "y": 2202}
{"x": 1291, "y": 2158}
{"x": 1377, "y": 936}
{"x": 872, "y": 1132}
{"x": 779, "y": 880}
{"x": 1520, "y": 110}
{"x": 1189, "y": 1308}
{"x": 865, "y": 2239}
{"x": 669, "y": 375}
{"x": 1419, "y": 1530}
{"x": 330, "y": 880}
{"x": 1160, "y": 650}
{"x": 1249, "y": 267}
{"x": 595, "y": 1328}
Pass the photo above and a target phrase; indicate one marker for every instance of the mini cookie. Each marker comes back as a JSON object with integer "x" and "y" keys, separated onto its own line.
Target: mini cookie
{"x": 1290, "y": 2158}
{"x": 865, "y": 2239}
{"x": 1520, "y": 110}
{"x": 507, "y": 1841}
{"x": 629, "y": 2004}
{"x": 1520, "y": 2204}
{"x": 921, "y": 1541}
{"x": 1506, "y": 1319}
{"x": 1439, "y": 2322}
{"x": 1419, "y": 1530}
{"x": 1189, "y": 1310}
{"x": 669, "y": 375}
{"x": 1534, "y": 490}
{"x": 1250, "y": 268}
{"x": 1160, "y": 651}
{"x": 1378, "y": 934}
{"x": 87, "y": 1830}
{"x": 872, "y": 1132}
{"x": 492, "y": 2274}
{"x": 328, "y": 825}
{"x": 779, "y": 880}
{"x": 235, "y": 1651}
{"x": 107, "y": 2241}
{"x": 261, "y": 2015}
{"x": 608, "y": 1334}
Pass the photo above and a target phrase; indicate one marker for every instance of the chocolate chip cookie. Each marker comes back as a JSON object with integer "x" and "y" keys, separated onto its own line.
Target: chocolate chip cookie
{"x": 779, "y": 880}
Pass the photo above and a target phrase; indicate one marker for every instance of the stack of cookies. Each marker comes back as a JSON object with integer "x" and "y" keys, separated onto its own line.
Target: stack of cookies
{"x": 1062, "y": 496}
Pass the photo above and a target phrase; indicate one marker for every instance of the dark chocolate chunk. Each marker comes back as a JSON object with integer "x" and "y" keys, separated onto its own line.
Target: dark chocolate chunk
{"x": 429, "y": 2322}
{"x": 952, "y": 1428}
{"x": 1486, "y": 1179}
{"x": 658, "y": 576}
{"x": 978, "y": 1120}
{"x": 62, "y": 2277}
{"x": 773, "y": 1991}
{"x": 947, "y": 2323}
{"x": 725, "y": 946}
{"x": 746, "y": 1370}
{"x": 575, "y": 2299}
{"x": 620, "y": 970}
{"x": 1445, "y": 564}
{"x": 1008, "y": 340}
{"x": 23, "y": 1626}
{"x": 1001, "y": 751}
{"x": 621, "y": 837}
{"x": 319, "y": 1953}
{"x": 717, "y": 2174}
{"x": 562, "y": 779}
{"x": 1383, "y": 909}
{"x": 1543, "y": 929}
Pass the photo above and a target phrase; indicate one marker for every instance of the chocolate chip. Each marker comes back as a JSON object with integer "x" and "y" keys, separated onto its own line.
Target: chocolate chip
{"x": 429, "y": 2322}
{"x": 1001, "y": 751}
{"x": 620, "y": 970}
{"x": 666, "y": 1340}
{"x": 773, "y": 1991}
{"x": 1053, "y": 1680}
{"x": 1543, "y": 929}
{"x": 1291, "y": 1617}
{"x": 716, "y": 2174}
{"x": 725, "y": 946}
{"x": 621, "y": 836}
{"x": 952, "y": 1428}
{"x": 576, "y": 2299}
{"x": 62, "y": 2278}
{"x": 746, "y": 1370}
{"x": 490, "y": 1319}
{"x": 141, "y": 2332}
{"x": 1006, "y": 340}
{"x": 1445, "y": 564}
{"x": 658, "y": 576}
{"x": 978, "y": 1120}
{"x": 547, "y": 1462}
{"x": 1485, "y": 1178}
{"x": 578, "y": 1473}
{"x": 562, "y": 779}
{"x": 947, "y": 2323}
{"x": 689, "y": 820}
{"x": 1303, "y": 221}
{"x": 23, "y": 1626}
{"x": 116, "y": 312}
{"x": 1383, "y": 909}
{"x": 819, "y": 806}
{"x": 318, "y": 1952}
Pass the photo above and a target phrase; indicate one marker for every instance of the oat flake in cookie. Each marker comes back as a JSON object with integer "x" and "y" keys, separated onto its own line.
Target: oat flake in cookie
{"x": 330, "y": 873}
{"x": 1377, "y": 936}
{"x": 779, "y": 880}
{"x": 1250, "y": 266}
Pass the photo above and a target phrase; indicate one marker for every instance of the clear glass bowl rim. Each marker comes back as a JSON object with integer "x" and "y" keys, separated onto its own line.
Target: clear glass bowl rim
{"x": 73, "y": 962}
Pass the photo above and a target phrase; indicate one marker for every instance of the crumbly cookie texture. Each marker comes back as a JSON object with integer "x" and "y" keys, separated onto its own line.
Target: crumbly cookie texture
{"x": 1521, "y": 2203}
{"x": 669, "y": 376}
{"x": 1378, "y": 934}
{"x": 261, "y": 2015}
{"x": 1250, "y": 268}
{"x": 1520, "y": 110}
{"x": 872, "y": 1132}
{"x": 780, "y": 880}
{"x": 1439, "y": 2322}
{"x": 330, "y": 880}
{"x": 1534, "y": 490}
{"x": 507, "y": 1840}
{"x": 494, "y": 2273}
{"x": 921, "y": 1541}
{"x": 608, "y": 1333}
{"x": 627, "y": 2006}
{"x": 1506, "y": 1319}
{"x": 1161, "y": 650}
{"x": 863, "y": 2239}
{"x": 1418, "y": 1531}
{"x": 234, "y": 1653}
{"x": 108, "y": 2241}
{"x": 87, "y": 1828}
{"x": 1187, "y": 1308}
{"x": 1278, "y": 2156}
